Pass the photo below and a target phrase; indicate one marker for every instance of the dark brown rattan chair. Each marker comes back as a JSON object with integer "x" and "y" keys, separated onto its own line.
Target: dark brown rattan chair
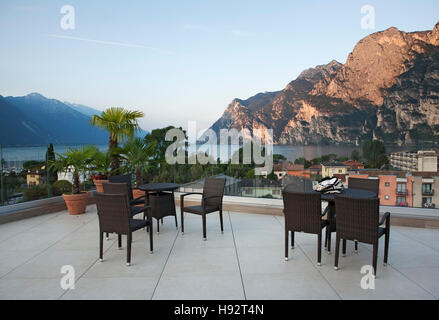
{"x": 122, "y": 188}
{"x": 127, "y": 179}
{"x": 372, "y": 185}
{"x": 358, "y": 220}
{"x": 114, "y": 212}
{"x": 212, "y": 201}
{"x": 303, "y": 213}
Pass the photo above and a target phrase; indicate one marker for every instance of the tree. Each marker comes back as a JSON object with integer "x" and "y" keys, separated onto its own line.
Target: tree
{"x": 121, "y": 124}
{"x": 32, "y": 165}
{"x": 303, "y": 161}
{"x": 355, "y": 155}
{"x": 375, "y": 154}
{"x": 158, "y": 159}
{"x": 79, "y": 159}
{"x": 137, "y": 154}
{"x": 278, "y": 158}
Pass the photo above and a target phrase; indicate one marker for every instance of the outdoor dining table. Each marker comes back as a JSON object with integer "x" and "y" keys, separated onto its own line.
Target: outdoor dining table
{"x": 160, "y": 196}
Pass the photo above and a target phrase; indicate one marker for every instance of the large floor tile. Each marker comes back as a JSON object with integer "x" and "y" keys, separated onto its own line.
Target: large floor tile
{"x": 117, "y": 288}
{"x": 200, "y": 287}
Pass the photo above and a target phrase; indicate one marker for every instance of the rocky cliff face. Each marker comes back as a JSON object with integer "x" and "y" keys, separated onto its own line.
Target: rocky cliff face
{"x": 388, "y": 89}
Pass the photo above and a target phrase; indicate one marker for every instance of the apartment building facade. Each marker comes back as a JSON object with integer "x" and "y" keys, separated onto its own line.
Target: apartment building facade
{"x": 424, "y": 161}
{"x": 426, "y": 187}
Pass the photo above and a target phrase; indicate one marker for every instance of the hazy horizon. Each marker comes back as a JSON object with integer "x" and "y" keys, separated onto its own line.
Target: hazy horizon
{"x": 181, "y": 61}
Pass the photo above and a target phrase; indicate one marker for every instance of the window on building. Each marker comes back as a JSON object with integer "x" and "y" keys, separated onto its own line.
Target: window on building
{"x": 426, "y": 188}
{"x": 427, "y": 202}
{"x": 387, "y": 184}
{"x": 340, "y": 171}
{"x": 401, "y": 188}
{"x": 400, "y": 201}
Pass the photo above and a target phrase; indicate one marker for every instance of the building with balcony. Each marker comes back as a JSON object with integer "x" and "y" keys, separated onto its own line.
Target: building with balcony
{"x": 425, "y": 188}
{"x": 424, "y": 161}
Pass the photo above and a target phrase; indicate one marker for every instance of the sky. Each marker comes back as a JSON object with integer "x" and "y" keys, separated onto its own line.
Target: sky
{"x": 181, "y": 61}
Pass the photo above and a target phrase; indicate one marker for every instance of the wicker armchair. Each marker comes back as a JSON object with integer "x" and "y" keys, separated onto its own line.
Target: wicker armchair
{"x": 127, "y": 179}
{"x": 114, "y": 214}
{"x": 372, "y": 185}
{"x": 122, "y": 188}
{"x": 303, "y": 213}
{"x": 358, "y": 220}
{"x": 212, "y": 201}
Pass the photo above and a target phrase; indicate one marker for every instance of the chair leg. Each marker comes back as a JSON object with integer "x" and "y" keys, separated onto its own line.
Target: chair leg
{"x": 292, "y": 239}
{"x": 356, "y": 246}
{"x": 337, "y": 251}
{"x": 101, "y": 246}
{"x": 344, "y": 247}
{"x": 329, "y": 242}
{"x": 176, "y": 223}
{"x": 375, "y": 258}
{"x": 119, "y": 241}
{"x": 286, "y": 244}
{"x": 204, "y": 226}
{"x": 319, "y": 249}
{"x": 386, "y": 247}
{"x": 158, "y": 225}
{"x": 129, "y": 238}
{"x": 107, "y": 236}
{"x": 150, "y": 239}
{"x": 182, "y": 221}
{"x": 326, "y": 236}
{"x": 221, "y": 220}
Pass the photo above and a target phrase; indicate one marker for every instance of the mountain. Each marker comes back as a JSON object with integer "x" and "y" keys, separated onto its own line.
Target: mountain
{"x": 36, "y": 120}
{"x": 388, "y": 89}
{"x": 88, "y": 111}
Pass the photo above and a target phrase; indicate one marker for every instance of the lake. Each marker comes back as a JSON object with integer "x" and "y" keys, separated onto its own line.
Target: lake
{"x": 15, "y": 156}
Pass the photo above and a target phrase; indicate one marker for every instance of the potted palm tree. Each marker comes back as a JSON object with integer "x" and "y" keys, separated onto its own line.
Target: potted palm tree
{"x": 100, "y": 165}
{"x": 78, "y": 162}
{"x": 122, "y": 125}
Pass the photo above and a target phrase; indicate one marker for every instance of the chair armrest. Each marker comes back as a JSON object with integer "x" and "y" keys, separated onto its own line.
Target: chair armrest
{"x": 385, "y": 218}
{"x": 186, "y": 194}
{"x": 138, "y": 210}
{"x": 189, "y": 193}
{"x": 138, "y": 198}
{"x": 211, "y": 197}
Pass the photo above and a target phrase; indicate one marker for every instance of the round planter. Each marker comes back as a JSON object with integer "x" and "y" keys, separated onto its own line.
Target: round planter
{"x": 76, "y": 203}
{"x": 98, "y": 184}
{"x": 138, "y": 193}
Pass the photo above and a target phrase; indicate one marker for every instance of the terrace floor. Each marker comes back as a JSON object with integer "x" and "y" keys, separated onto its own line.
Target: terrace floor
{"x": 246, "y": 262}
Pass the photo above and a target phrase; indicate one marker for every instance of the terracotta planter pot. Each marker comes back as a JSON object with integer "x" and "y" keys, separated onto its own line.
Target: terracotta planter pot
{"x": 98, "y": 184}
{"x": 76, "y": 203}
{"x": 138, "y": 193}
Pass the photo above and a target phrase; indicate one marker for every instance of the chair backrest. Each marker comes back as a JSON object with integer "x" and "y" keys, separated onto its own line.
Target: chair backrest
{"x": 214, "y": 187}
{"x": 113, "y": 212}
{"x": 116, "y": 188}
{"x": 365, "y": 184}
{"x": 302, "y": 211}
{"x": 123, "y": 179}
{"x": 357, "y": 219}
